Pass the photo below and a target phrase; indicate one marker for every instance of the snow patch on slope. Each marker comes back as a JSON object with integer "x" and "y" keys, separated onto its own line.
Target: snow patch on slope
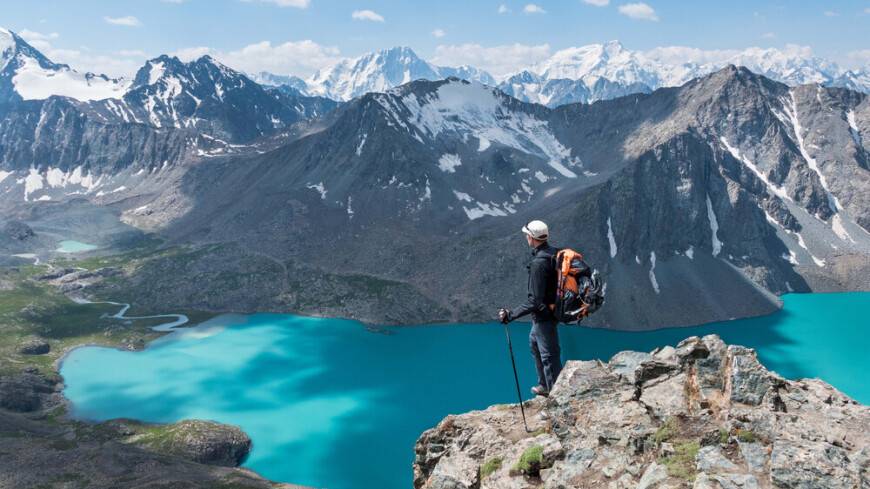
{"x": 321, "y": 189}
{"x": 472, "y": 109}
{"x": 652, "y": 272}
{"x": 774, "y": 189}
{"x": 448, "y": 163}
{"x": 853, "y": 127}
{"x": 611, "y": 239}
{"x": 483, "y": 209}
{"x": 714, "y": 228}
{"x": 791, "y": 112}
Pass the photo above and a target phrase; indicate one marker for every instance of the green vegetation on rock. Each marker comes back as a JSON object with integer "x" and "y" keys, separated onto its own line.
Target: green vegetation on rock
{"x": 746, "y": 436}
{"x": 682, "y": 463}
{"x": 490, "y": 466}
{"x": 666, "y": 431}
{"x": 530, "y": 461}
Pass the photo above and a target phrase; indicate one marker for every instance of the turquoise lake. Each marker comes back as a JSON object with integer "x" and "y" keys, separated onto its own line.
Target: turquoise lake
{"x": 329, "y": 403}
{"x": 70, "y": 246}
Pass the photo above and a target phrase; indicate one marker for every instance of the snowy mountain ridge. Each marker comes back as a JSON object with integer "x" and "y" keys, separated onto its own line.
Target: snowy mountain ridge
{"x": 382, "y": 70}
{"x": 35, "y": 77}
{"x": 576, "y": 74}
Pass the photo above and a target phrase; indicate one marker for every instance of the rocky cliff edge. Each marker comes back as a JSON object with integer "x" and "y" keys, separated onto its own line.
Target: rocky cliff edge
{"x": 702, "y": 415}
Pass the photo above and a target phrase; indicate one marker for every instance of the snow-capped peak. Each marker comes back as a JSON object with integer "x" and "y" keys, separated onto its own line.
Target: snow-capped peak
{"x": 33, "y": 76}
{"x": 382, "y": 70}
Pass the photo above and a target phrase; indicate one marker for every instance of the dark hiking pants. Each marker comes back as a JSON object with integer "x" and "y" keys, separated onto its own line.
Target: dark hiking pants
{"x": 544, "y": 340}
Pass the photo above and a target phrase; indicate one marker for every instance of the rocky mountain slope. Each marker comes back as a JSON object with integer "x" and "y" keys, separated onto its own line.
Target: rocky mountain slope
{"x": 701, "y": 415}
{"x": 698, "y": 203}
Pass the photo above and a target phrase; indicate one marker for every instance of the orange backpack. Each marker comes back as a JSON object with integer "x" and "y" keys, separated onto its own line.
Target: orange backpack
{"x": 579, "y": 290}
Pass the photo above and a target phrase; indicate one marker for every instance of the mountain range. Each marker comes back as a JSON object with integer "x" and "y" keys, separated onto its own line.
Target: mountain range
{"x": 698, "y": 202}
{"x": 581, "y": 74}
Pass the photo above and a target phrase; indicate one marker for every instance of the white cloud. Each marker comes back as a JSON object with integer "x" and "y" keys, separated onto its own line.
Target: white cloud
{"x": 128, "y": 21}
{"x": 500, "y": 61}
{"x": 439, "y": 33}
{"x": 867, "y": 10}
{"x": 532, "y": 8}
{"x": 300, "y": 58}
{"x": 639, "y": 11}
{"x": 285, "y": 3}
{"x": 123, "y": 63}
{"x": 37, "y": 39}
{"x": 831, "y": 13}
{"x": 598, "y": 3}
{"x": 367, "y": 15}
{"x": 859, "y": 58}
{"x": 503, "y": 9}
{"x": 768, "y": 35}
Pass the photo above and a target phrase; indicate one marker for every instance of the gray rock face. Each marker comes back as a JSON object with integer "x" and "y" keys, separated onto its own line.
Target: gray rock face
{"x": 604, "y": 430}
{"x": 28, "y": 392}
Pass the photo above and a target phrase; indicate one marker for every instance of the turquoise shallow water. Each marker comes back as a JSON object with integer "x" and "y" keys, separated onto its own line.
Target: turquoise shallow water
{"x": 330, "y": 404}
{"x": 70, "y": 246}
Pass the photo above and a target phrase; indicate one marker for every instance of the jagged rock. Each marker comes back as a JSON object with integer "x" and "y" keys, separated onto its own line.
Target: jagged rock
{"x": 625, "y": 363}
{"x": 703, "y": 411}
{"x": 710, "y": 459}
{"x": 203, "y": 442}
{"x": 749, "y": 380}
{"x": 754, "y": 455}
{"x": 34, "y": 346}
{"x": 654, "y": 474}
{"x": 736, "y": 481}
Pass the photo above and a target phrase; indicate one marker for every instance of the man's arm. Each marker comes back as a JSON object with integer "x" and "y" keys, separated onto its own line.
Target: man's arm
{"x": 537, "y": 291}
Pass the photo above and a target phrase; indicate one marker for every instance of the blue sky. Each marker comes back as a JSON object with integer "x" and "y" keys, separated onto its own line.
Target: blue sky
{"x": 300, "y": 36}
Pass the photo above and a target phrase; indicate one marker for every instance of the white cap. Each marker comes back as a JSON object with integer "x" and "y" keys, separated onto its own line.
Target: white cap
{"x": 537, "y": 230}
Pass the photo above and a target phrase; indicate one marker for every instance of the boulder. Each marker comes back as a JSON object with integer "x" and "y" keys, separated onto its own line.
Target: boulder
{"x": 34, "y": 346}
{"x": 204, "y": 442}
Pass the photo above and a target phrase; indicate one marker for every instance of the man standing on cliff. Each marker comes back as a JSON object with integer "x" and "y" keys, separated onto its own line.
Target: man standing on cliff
{"x": 544, "y": 337}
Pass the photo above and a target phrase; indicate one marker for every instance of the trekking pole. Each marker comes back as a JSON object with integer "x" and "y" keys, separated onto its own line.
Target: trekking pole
{"x": 516, "y": 378}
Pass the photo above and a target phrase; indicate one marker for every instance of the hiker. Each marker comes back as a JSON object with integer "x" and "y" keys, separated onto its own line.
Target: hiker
{"x": 544, "y": 337}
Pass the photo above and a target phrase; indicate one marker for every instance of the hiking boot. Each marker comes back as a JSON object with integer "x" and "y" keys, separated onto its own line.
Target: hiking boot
{"x": 540, "y": 390}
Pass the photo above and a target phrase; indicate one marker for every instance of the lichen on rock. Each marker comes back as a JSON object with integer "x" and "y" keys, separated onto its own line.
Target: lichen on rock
{"x": 702, "y": 414}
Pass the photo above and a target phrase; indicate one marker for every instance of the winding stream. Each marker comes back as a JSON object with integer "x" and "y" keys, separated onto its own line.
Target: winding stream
{"x": 180, "y": 319}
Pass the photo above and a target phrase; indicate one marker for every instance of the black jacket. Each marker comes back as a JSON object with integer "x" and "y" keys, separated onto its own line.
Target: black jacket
{"x": 542, "y": 284}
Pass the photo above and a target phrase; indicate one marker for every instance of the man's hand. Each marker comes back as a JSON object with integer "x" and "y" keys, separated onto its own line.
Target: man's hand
{"x": 505, "y": 315}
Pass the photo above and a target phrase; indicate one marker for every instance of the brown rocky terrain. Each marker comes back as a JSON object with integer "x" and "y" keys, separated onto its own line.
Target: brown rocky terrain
{"x": 704, "y": 415}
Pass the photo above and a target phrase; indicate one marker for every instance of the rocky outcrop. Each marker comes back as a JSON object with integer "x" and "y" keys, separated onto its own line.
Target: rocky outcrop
{"x": 702, "y": 414}
{"x": 18, "y": 230}
{"x": 34, "y": 346}
{"x": 203, "y": 442}
{"x": 29, "y": 391}
{"x": 51, "y": 451}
